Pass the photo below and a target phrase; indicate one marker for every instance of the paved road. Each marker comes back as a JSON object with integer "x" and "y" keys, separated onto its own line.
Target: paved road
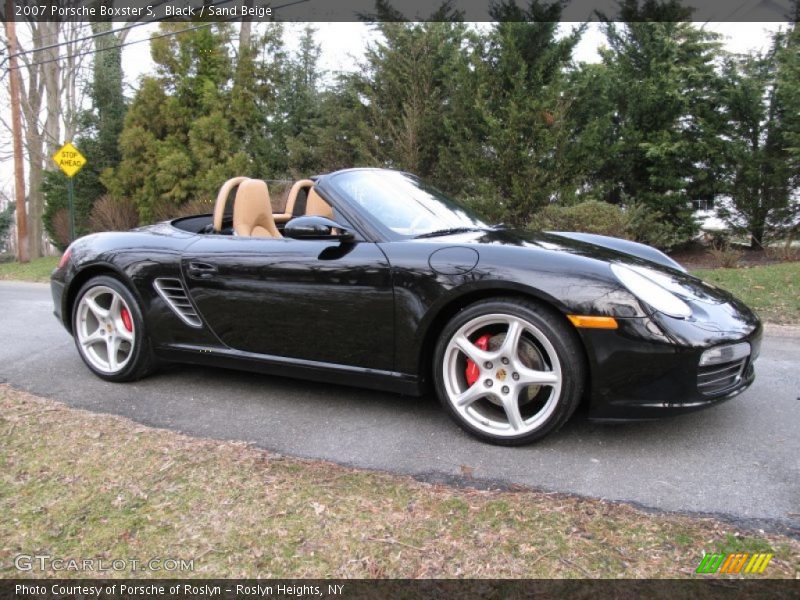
{"x": 740, "y": 459}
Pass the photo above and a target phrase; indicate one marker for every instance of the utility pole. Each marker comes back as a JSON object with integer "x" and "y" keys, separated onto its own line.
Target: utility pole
{"x": 16, "y": 127}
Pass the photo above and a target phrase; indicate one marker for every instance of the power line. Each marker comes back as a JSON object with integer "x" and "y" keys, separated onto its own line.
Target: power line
{"x": 93, "y": 36}
{"x": 114, "y": 31}
{"x": 88, "y": 37}
{"x": 96, "y": 50}
{"x": 138, "y": 24}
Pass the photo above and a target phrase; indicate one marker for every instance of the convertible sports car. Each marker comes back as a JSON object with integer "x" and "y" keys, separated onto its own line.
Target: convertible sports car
{"x": 370, "y": 277}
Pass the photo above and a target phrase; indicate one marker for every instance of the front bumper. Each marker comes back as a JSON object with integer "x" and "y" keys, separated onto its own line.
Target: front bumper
{"x": 650, "y": 367}
{"x": 57, "y": 287}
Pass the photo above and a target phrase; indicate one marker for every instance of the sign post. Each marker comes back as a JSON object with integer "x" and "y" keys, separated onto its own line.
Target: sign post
{"x": 70, "y": 161}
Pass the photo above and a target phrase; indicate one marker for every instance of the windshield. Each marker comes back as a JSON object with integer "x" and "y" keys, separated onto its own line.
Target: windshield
{"x": 404, "y": 204}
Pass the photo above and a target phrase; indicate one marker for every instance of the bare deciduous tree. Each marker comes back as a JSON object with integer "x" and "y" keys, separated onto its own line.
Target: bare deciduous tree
{"x": 52, "y": 59}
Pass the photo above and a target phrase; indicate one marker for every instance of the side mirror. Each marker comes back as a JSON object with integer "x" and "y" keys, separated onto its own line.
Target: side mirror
{"x": 316, "y": 228}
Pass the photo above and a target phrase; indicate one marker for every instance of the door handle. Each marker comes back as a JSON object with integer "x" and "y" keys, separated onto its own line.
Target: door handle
{"x": 201, "y": 270}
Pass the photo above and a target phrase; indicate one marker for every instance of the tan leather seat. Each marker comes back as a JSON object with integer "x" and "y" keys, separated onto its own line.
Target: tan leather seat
{"x": 316, "y": 206}
{"x": 222, "y": 200}
{"x": 291, "y": 200}
{"x": 252, "y": 211}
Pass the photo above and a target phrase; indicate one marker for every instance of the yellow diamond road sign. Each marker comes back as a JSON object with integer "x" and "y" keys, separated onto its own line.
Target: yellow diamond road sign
{"x": 69, "y": 159}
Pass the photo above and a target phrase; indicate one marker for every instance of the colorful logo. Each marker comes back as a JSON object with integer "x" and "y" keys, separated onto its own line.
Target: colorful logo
{"x": 742, "y": 562}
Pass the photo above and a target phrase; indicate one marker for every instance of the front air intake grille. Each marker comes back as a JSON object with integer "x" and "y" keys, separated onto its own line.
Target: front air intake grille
{"x": 174, "y": 294}
{"x": 717, "y": 379}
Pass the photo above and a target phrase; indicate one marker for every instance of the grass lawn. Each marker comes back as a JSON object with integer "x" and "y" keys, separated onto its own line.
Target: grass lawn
{"x": 38, "y": 269}
{"x": 75, "y": 484}
{"x": 773, "y": 291}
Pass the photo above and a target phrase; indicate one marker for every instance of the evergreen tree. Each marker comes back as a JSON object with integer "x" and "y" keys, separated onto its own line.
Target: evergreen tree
{"x": 406, "y": 91}
{"x": 178, "y": 142}
{"x": 592, "y": 129}
{"x": 301, "y": 105}
{"x": 337, "y": 137}
{"x": 762, "y": 111}
{"x": 788, "y": 93}
{"x": 663, "y": 148}
{"x": 522, "y": 128}
{"x": 258, "y": 101}
{"x": 6, "y": 221}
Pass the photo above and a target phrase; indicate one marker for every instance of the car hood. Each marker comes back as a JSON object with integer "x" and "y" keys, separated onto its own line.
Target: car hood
{"x": 584, "y": 258}
{"x": 592, "y": 249}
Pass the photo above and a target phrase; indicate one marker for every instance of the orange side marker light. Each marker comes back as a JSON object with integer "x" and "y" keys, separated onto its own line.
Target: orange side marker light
{"x": 587, "y": 322}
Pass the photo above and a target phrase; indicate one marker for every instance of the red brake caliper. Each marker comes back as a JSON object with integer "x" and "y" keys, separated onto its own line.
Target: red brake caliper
{"x": 126, "y": 318}
{"x": 473, "y": 371}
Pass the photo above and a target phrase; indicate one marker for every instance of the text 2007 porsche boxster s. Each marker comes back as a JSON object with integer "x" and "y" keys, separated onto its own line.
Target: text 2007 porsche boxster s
{"x": 370, "y": 277}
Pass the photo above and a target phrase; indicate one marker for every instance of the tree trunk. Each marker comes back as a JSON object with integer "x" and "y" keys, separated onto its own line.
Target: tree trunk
{"x": 245, "y": 35}
{"x": 31, "y": 106}
{"x": 50, "y": 140}
{"x": 757, "y": 227}
{"x": 16, "y": 119}
{"x": 34, "y": 143}
{"x": 35, "y": 207}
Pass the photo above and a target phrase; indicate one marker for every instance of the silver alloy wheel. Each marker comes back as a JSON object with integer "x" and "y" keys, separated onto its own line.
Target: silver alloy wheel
{"x": 106, "y": 340}
{"x": 504, "y": 379}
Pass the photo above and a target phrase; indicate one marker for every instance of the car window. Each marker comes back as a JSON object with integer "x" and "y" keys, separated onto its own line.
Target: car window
{"x": 403, "y": 203}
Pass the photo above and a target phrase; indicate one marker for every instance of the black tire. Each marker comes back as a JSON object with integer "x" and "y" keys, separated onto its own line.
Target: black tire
{"x": 551, "y": 327}
{"x": 140, "y": 361}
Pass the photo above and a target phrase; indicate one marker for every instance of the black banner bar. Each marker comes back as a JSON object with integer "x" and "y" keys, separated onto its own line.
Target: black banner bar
{"x": 362, "y": 589}
{"x": 359, "y": 10}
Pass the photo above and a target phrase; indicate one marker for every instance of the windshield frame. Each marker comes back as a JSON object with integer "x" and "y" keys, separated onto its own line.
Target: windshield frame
{"x": 374, "y": 223}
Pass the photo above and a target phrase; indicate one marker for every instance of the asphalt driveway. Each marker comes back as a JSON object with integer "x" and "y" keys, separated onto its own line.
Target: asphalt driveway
{"x": 740, "y": 459}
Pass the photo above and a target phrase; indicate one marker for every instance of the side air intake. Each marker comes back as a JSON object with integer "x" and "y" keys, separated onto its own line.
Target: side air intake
{"x": 173, "y": 293}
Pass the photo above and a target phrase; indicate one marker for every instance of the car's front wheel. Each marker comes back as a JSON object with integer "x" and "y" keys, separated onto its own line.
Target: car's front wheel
{"x": 109, "y": 330}
{"x": 509, "y": 371}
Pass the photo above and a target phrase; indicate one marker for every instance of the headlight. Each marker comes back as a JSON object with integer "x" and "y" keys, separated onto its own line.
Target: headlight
{"x": 651, "y": 292}
{"x": 725, "y": 354}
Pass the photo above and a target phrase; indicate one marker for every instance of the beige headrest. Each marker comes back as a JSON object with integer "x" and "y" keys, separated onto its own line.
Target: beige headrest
{"x": 315, "y": 205}
{"x": 291, "y": 200}
{"x": 252, "y": 212}
{"x": 222, "y": 199}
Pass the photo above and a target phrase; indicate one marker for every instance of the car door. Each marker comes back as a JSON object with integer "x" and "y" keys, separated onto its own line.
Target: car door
{"x": 318, "y": 300}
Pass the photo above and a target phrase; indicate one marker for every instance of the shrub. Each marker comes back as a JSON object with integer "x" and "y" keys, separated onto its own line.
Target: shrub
{"x": 635, "y": 222}
{"x": 6, "y": 221}
{"x": 589, "y": 217}
{"x": 113, "y": 214}
{"x": 648, "y": 226}
{"x": 782, "y": 250}
{"x": 725, "y": 254}
{"x": 59, "y": 228}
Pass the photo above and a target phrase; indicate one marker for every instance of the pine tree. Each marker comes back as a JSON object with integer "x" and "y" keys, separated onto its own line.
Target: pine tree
{"x": 178, "y": 142}
{"x": 406, "y": 91}
{"x": 762, "y": 111}
{"x": 301, "y": 105}
{"x": 523, "y": 109}
{"x": 663, "y": 152}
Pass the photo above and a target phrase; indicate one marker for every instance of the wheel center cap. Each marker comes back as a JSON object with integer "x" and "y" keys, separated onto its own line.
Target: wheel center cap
{"x": 109, "y": 328}
{"x": 501, "y": 374}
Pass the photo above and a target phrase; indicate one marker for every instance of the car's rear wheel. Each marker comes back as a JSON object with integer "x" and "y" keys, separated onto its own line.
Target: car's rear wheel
{"x": 109, "y": 330}
{"x": 509, "y": 371}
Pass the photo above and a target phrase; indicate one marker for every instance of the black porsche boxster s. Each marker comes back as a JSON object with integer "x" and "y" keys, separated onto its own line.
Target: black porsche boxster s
{"x": 370, "y": 277}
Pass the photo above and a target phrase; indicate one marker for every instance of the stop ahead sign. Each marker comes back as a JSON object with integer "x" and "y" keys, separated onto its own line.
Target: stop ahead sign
{"x": 69, "y": 159}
